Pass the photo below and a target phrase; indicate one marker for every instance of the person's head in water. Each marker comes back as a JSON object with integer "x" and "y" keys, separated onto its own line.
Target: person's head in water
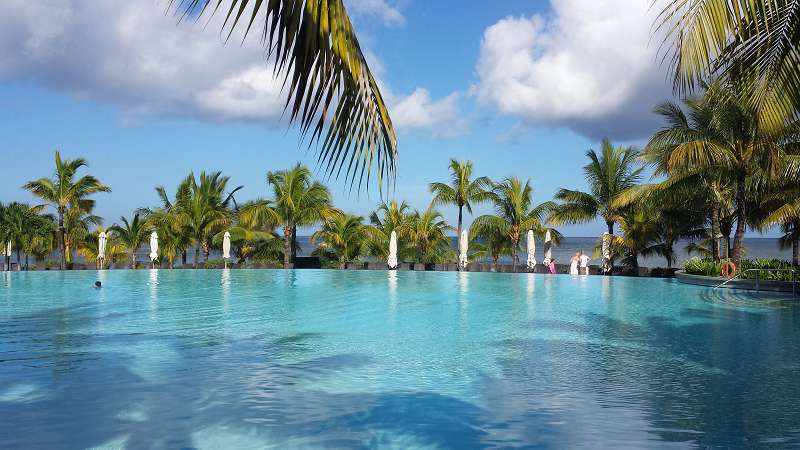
{"x": 98, "y": 284}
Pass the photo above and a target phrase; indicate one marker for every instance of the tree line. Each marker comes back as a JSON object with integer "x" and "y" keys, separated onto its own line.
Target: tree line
{"x": 717, "y": 171}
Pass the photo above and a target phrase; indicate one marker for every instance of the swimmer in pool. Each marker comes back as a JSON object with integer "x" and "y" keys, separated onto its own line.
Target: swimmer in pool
{"x": 98, "y": 284}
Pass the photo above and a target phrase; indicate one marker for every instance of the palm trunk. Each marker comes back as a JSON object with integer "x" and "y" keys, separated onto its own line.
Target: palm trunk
{"x": 183, "y": 258}
{"x": 458, "y": 235}
{"x": 288, "y": 239}
{"x": 19, "y": 261}
{"x": 796, "y": 250}
{"x": 206, "y": 251}
{"x": 741, "y": 225}
{"x": 61, "y": 242}
{"x": 294, "y": 242}
{"x": 514, "y": 255}
{"x": 26, "y": 262}
{"x": 133, "y": 259}
{"x": 715, "y": 231}
{"x": 610, "y": 269}
{"x": 196, "y": 254}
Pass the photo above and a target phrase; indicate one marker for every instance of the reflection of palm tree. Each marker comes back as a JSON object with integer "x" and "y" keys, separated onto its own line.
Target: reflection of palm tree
{"x": 314, "y": 42}
{"x": 462, "y": 190}
{"x": 341, "y": 237}
{"x": 131, "y": 234}
{"x": 67, "y": 195}
{"x": 514, "y": 215}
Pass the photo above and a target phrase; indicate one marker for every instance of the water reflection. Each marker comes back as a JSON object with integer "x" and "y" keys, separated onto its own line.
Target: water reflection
{"x": 320, "y": 368}
{"x": 153, "y": 283}
{"x": 225, "y": 282}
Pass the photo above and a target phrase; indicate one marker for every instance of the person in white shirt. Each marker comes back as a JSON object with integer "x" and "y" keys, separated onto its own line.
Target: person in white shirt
{"x": 583, "y": 261}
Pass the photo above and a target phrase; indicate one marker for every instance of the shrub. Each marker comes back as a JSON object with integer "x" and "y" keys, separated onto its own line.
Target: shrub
{"x": 708, "y": 267}
{"x": 698, "y": 266}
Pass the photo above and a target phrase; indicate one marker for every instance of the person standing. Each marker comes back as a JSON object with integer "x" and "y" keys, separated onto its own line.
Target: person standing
{"x": 583, "y": 262}
{"x": 573, "y": 264}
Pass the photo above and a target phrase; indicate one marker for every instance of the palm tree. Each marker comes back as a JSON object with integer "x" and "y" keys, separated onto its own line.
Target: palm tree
{"x": 314, "y": 44}
{"x": 341, "y": 237}
{"x": 427, "y": 231}
{"x": 204, "y": 205}
{"x": 491, "y": 243}
{"x": 131, "y": 234}
{"x": 66, "y": 194}
{"x": 609, "y": 174}
{"x": 462, "y": 191}
{"x": 514, "y": 215}
{"x": 386, "y": 218}
{"x": 18, "y": 220}
{"x": 753, "y": 41}
{"x": 297, "y": 201}
{"x": 722, "y": 139}
{"x": 115, "y": 251}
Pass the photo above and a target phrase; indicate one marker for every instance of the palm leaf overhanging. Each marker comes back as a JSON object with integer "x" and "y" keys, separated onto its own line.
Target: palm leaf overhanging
{"x": 314, "y": 44}
{"x": 754, "y": 41}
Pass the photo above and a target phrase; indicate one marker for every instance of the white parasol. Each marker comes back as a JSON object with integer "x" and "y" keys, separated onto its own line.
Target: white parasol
{"x": 463, "y": 247}
{"x": 531, "y": 250}
{"x": 391, "y": 261}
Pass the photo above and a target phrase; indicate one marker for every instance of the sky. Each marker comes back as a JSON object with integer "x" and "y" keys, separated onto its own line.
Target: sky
{"x": 520, "y": 87}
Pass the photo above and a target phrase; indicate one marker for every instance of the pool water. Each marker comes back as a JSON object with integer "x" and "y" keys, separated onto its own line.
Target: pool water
{"x": 372, "y": 359}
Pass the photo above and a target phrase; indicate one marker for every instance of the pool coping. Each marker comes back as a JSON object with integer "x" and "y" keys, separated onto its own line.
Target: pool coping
{"x": 751, "y": 285}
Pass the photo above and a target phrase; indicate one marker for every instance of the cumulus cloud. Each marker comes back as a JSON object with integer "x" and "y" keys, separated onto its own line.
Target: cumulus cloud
{"x": 378, "y": 8}
{"x": 589, "y": 65}
{"x": 136, "y": 55}
{"x": 419, "y": 111}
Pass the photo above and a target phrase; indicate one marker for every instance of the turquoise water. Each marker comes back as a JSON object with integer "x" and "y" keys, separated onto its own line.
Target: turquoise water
{"x": 372, "y": 359}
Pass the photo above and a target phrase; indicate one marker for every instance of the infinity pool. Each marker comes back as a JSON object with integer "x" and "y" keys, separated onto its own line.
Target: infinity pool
{"x": 372, "y": 359}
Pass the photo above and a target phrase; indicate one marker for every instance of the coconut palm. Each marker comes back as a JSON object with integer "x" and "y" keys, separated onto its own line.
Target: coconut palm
{"x": 341, "y": 238}
{"x": 388, "y": 217}
{"x": 314, "y": 44}
{"x": 19, "y": 222}
{"x": 755, "y": 42}
{"x": 610, "y": 173}
{"x": 720, "y": 138}
{"x": 115, "y": 251}
{"x": 462, "y": 191}
{"x": 132, "y": 235}
{"x": 514, "y": 215}
{"x": 427, "y": 232}
{"x": 491, "y": 243}
{"x": 298, "y": 200}
{"x": 65, "y": 193}
{"x": 204, "y": 208}
{"x": 783, "y": 210}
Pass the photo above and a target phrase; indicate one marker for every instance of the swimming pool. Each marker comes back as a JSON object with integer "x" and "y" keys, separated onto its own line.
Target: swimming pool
{"x": 375, "y": 359}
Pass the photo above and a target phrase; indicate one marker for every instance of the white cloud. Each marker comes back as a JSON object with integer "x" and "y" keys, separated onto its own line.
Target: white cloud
{"x": 589, "y": 66}
{"x": 378, "y": 8}
{"x": 136, "y": 55}
{"x": 419, "y": 111}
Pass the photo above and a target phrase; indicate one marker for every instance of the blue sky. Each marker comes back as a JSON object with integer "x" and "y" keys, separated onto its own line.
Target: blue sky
{"x": 519, "y": 87}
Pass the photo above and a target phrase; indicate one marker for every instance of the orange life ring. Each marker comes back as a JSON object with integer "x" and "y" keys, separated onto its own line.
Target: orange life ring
{"x": 728, "y": 269}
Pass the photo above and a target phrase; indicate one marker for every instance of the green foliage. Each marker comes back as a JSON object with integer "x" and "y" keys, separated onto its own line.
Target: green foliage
{"x": 315, "y": 45}
{"x": 705, "y": 266}
{"x": 710, "y": 268}
{"x": 70, "y": 198}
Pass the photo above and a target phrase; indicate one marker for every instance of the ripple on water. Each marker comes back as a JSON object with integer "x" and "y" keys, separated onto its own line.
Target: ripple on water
{"x": 374, "y": 359}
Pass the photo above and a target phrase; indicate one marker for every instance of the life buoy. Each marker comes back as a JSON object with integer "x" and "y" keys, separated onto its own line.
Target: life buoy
{"x": 728, "y": 269}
